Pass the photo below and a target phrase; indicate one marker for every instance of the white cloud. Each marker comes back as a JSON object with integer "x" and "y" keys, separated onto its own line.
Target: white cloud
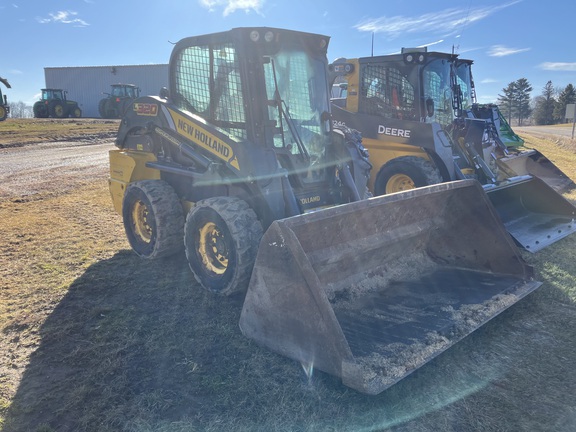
{"x": 431, "y": 43}
{"x": 488, "y": 81}
{"x": 447, "y": 22}
{"x": 570, "y": 67}
{"x": 501, "y": 51}
{"x": 64, "y": 17}
{"x": 231, "y": 6}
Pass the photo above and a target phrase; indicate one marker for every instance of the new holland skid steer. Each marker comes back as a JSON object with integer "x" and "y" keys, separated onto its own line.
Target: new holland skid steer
{"x": 410, "y": 109}
{"x": 238, "y": 165}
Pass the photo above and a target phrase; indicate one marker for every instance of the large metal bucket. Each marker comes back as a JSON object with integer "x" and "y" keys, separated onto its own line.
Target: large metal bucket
{"x": 373, "y": 290}
{"x": 534, "y": 163}
{"x": 533, "y": 212}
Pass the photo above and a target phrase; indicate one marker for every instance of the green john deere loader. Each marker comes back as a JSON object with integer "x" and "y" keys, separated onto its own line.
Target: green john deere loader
{"x": 4, "y": 107}
{"x": 488, "y": 112}
{"x": 412, "y": 111}
{"x": 237, "y": 164}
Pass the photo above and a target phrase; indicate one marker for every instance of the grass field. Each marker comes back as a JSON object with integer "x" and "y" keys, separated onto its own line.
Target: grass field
{"x": 94, "y": 339}
{"x": 18, "y": 132}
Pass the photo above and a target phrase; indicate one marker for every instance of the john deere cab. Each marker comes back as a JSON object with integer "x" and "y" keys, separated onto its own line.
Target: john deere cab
{"x": 53, "y": 103}
{"x": 118, "y": 100}
{"x": 489, "y": 112}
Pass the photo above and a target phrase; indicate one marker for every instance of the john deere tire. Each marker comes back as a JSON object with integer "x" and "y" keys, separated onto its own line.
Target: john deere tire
{"x": 404, "y": 173}
{"x": 76, "y": 112}
{"x": 3, "y": 113}
{"x": 40, "y": 111}
{"x": 153, "y": 219}
{"x": 102, "y": 107}
{"x": 57, "y": 110}
{"x": 221, "y": 238}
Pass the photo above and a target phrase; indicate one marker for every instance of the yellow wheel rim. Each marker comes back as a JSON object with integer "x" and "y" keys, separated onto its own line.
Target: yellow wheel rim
{"x": 59, "y": 110}
{"x": 2, "y": 112}
{"x": 399, "y": 183}
{"x": 140, "y": 222}
{"x": 212, "y": 248}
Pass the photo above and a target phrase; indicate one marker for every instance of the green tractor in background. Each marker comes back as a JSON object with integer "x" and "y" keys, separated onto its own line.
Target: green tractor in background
{"x": 53, "y": 103}
{"x": 4, "y": 108}
{"x": 118, "y": 100}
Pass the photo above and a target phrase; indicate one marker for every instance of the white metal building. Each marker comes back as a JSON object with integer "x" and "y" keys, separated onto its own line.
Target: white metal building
{"x": 86, "y": 84}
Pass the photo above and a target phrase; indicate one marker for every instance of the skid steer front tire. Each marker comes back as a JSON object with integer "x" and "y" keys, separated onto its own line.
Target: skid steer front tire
{"x": 153, "y": 219}
{"x": 221, "y": 238}
{"x": 404, "y": 173}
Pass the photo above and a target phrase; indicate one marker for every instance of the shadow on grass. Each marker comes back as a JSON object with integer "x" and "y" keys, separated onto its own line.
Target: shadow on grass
{"x": 138, "y": 346}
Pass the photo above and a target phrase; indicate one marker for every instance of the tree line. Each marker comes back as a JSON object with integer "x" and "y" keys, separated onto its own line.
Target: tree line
{"x": 514, "y": 103}
{"x": 20, "y": 110}
{"x": 546, "y": 109}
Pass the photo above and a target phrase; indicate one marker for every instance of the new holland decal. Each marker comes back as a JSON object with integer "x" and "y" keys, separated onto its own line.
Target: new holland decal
{"x": 204, "y": 139}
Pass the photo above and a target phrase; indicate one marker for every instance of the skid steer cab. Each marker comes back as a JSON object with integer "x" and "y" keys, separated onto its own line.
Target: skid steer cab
{"x": 238, "y": 165}
{"x": 420, "y": 123}
{"x": 241, "y": 138}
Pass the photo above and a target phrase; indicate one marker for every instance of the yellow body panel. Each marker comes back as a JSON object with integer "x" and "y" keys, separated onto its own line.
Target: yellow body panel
{"x": 382, "y": 152}
{"x": 127, "y": 167}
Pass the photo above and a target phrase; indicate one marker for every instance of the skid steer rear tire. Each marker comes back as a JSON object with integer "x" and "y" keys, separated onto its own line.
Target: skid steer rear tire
{"x": 404, "y": 173}
{"x": 221, "y": 238}
{"x": 153, "y": 219}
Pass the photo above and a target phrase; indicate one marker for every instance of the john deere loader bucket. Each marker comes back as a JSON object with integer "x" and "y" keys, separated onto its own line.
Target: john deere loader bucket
{"x": 532, "y": 162}
{"x": 373, "y": 290}
{"x": 533, "y": 212}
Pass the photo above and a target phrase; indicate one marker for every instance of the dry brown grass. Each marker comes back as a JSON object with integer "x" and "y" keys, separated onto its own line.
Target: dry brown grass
{"x": 18, "y": 132}
{"x": 94, "y": 339}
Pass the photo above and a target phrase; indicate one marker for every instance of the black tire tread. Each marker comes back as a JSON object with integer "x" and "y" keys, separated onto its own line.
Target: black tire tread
{"x": 246, "y": 231}
{"x": 168, "y": 214}
{"x": 430, "y": 173}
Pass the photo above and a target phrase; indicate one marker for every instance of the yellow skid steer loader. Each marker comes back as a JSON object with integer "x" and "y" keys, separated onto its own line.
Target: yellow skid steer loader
{"x": 237, "y": 164}
{"x": 416, "y": 118}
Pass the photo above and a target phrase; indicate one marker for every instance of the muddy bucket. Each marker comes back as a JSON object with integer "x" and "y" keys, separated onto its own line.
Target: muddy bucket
{"x": 373, "y": 290}
{"x": 533, "y": 212}
{"x": 534, "y": 163}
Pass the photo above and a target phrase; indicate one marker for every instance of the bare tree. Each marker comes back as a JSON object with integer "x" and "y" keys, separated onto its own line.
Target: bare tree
{"x": 20, "y": 110}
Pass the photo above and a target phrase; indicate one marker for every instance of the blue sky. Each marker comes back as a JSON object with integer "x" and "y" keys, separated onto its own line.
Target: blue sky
{"x": 506, "y": 39}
